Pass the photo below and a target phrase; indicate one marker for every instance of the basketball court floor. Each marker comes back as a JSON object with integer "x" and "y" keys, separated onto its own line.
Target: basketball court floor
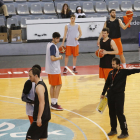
{"x": 79, "y": 97}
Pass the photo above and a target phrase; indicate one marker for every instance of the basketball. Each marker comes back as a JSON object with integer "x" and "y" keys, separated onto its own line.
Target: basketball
{"x": 62, "y": 49}
{"x": 129, "y": 14}
{"x": 99, "y": 53}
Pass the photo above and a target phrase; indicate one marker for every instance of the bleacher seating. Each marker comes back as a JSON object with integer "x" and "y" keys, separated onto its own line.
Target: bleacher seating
{"x": 73, "y": 6}
{"x": 8, "y": 1}
{"x": 20, "y": 0}
{"x": 88, "y": 7}
{"x": 11, "y": 9}
{"x": 49, "y": 8}
{"x": 40, "y": 17}
{"x": 114, "y": 5}
{"x": 91, "y": 16}
{"x": 12, "y": 20}
{"x": 101, "y": 7}
{"x": 137, "y": 5}
{"x": 2, "y": 22}
{"x": 23, "y": 21}
{"x": 59, "y": 7}
{"x": 22, "y": 9}
{"x": 44, "y": 9}
{"x": 52, "y": 17}
{"x": 33, "y": 0}
{"x": 36, "y": 9}
{"x": 126, "y": 5}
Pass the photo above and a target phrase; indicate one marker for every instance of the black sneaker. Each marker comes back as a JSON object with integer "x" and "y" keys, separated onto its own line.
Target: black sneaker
{"x": 121, "y": 136}
{"x": 111, "y": 133}
{"x": 8, "y": 16}
{"x": 74, "y": 70}
{"x": 65, "y": 70}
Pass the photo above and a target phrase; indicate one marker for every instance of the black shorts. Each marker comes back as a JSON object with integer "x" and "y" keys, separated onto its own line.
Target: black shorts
{"x": 35, "y": 132}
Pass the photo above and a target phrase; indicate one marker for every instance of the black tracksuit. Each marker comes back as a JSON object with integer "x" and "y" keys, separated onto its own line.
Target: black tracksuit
{"x": 115, "y": 95}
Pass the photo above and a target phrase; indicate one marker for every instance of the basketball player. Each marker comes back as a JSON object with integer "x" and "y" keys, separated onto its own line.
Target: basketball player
{"x": 29, "y": 94}
{"x": 52, "y": 68}
{"x": 110, "y": 49}
{"x": 115, "y": 87}
{"x": 41, "y": 115}
{"x": 114, "y": 25}
{"x": 72, "y": 45}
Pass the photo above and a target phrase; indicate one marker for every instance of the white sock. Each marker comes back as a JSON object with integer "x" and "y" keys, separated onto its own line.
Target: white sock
{"x": 55, "y": 101}
{"x": 65, "y": 66}
{"x": 124, "y": 65}
{"x": 52, "y": 100}
{"x": 74, "y": 67}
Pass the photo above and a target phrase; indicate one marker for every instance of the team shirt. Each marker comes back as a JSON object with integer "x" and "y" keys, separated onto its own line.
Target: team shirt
{"x": 72, "y": 33}
{"x": 52, "y": 67}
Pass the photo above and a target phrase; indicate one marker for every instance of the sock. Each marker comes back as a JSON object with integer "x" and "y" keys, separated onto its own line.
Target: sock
{"x": 65, "y": 66}
{"x": 55, "y": 101}
{"x": 52, "y": 100}
{"x": 74, "y": 67}
{"x": 124, "y": 65}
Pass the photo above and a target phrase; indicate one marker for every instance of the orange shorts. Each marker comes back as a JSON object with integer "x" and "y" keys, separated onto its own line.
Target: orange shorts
{"x": 31, "y": 119}
{"x": 55, "y": 79}
{"x": 103, "y": 72}
{"x": 72, "y": 50}
{"x": 119, "y": 45}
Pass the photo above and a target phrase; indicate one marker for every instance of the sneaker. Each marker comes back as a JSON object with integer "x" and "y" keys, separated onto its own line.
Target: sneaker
{"x": 111, "y": 133}
{"x": 8, "y": 16}
{"x": 56, "y": 107}
{"x": 121, "y": 136}
{"x": 65, "y": 70}
{"x": 74, "y": 70}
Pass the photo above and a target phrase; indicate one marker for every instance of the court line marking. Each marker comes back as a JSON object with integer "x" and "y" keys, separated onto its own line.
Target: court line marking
{"x": 90, "y": 121}
{"x": 70, "y": 71}
{"x": 56, "y": 115}
{"x": 73, "y": 124}
{"x": 9, "y": 97}
{"x": 80, "y": 116}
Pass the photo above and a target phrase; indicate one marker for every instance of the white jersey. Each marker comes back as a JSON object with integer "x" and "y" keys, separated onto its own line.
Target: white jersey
{"x": 72, "y": 33}
{"x": 31, "y": 96}
{"x": 52, "y": 67}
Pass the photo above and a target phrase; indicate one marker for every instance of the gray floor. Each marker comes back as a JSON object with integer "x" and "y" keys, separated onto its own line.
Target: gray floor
{"x": 83, "y": 59}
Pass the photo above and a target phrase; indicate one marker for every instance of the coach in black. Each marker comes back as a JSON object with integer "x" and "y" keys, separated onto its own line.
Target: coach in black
{"x": 115, "y": 87}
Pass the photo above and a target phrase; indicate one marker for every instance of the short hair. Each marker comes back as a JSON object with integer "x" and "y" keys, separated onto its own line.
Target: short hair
{"x": 35, "y": 71}
{"x": 55, "y": 35}
{"x": 117, "y": 60}
{"x": 105, "y": 29}
{"x": 112, "y": 10}
{"x": 37, "y": 66}
{"x": 72, "y": 16}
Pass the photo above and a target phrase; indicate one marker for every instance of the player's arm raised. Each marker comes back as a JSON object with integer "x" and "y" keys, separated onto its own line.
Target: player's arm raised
{"x": 64, "y": 37}
{"x": 100, "y": 36}
{"x": 40, "y": 92}
{"x": 114, "y": 47}
{"x": 123, "y": 26}
{"x": 80, "y": 32}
